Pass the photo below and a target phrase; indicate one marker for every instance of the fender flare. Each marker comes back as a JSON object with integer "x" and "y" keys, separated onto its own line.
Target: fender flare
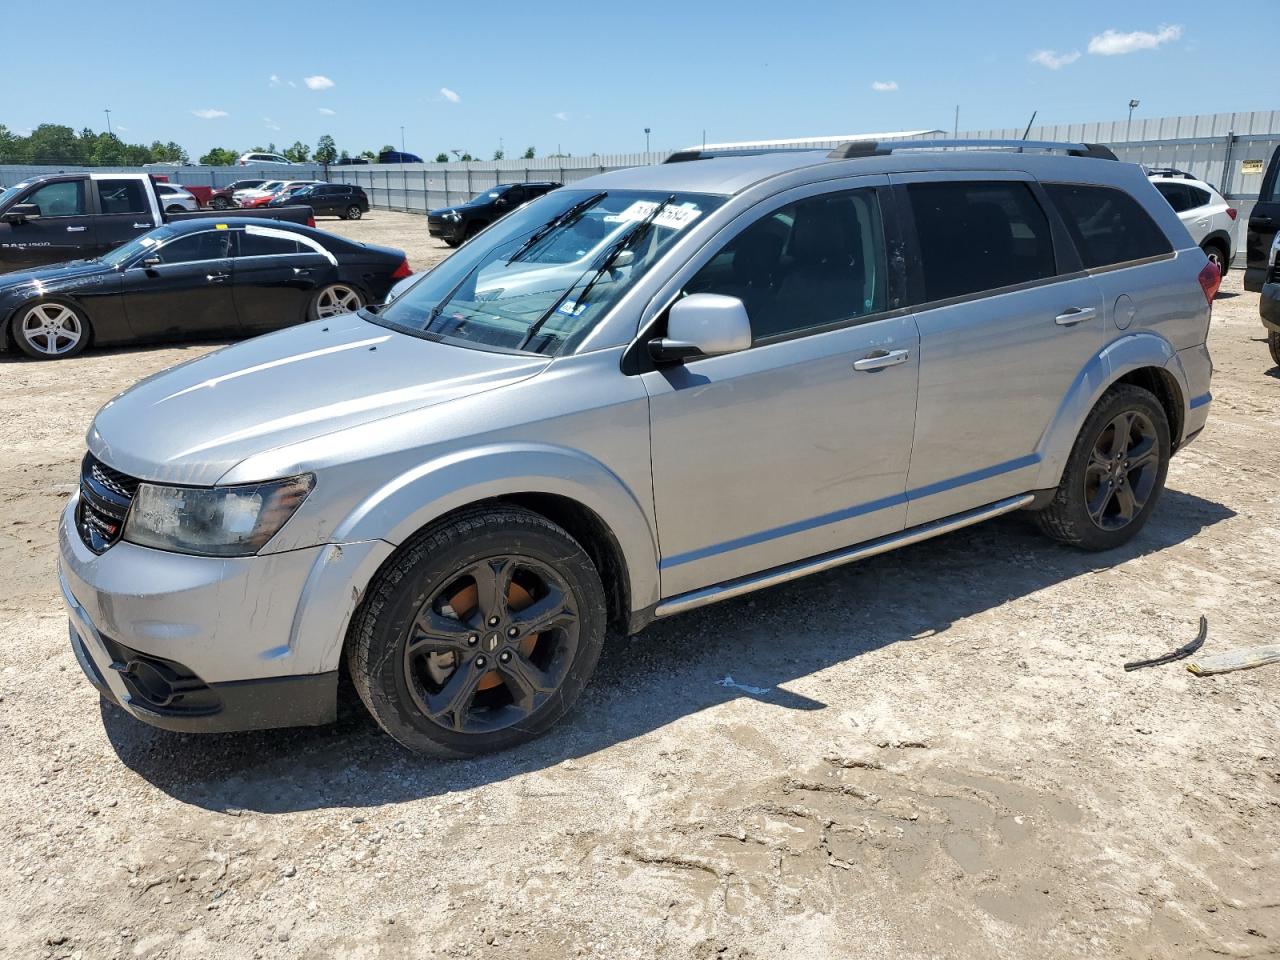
{"x": 1121, "y": 356}
{"x": 407, "y": 503}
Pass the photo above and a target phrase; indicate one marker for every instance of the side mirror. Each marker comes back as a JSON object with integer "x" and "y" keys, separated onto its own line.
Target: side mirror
{"x": 22, "y": 212}
{"x": 703, "y": 325}
{"x": 152, "y": 261}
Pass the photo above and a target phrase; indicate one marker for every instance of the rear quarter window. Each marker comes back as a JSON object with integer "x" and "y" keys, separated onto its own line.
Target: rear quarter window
{"x": 1107, "y": 225}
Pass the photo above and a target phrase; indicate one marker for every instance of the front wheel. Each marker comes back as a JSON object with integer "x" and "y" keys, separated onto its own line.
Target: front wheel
{"x": 479, "y": 635}
{"x": 335, "y": 299}
{"x": 1115, "y": 473}
{"x": 352, "y": 213}
{"x": 219, "y": 203}
{"x": 51, "y": 330}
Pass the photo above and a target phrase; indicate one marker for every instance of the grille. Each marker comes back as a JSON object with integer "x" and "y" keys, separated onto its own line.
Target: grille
{"x": 105, "y": 496}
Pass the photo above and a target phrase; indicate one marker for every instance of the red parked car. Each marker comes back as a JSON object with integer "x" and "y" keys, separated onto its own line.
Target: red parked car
{"x": 202, "y": 194}
{"x": 221, "y": 199}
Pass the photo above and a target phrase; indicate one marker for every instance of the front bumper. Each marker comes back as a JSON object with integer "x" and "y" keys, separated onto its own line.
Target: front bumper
{"x": 445, "y": 229}
{"x": 207, "y": 644}
{"x": 1269, "y": 306}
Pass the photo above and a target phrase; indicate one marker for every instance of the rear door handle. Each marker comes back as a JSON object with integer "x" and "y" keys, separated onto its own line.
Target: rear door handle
{"x": 142, "y": 226}
{"x": 216, "y": 277}
{"x": 879, "y": 359}
{"x": 1261, "y": 220}
{"x": 75, "y": 229}
{"x": 1073, "y": 315}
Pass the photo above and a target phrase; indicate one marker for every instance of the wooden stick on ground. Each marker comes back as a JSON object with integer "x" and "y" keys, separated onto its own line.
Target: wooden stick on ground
{"x": 1245, "y": 658}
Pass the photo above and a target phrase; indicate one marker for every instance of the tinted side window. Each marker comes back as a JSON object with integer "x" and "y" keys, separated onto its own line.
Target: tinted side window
{"x": 209, "y": 245}
{"x": 1177, "y": 194}
{"x": 122, "y": 196}
{"x": 1199, "y": 198}
{"x": 977, "y": 236}
{"x": 62, "y": 199}
{"x": 257, "y": 245}
{"x": 1107, "y": 225}
{"x": 817, "y": 261}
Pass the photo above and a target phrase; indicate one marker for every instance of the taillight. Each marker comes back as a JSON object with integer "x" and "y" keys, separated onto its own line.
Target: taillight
{"x": 1231, "y": 212}
{"x": 1210, "y": 279}
{"x": 402, "y": 271}
{"x": 311, "y": 221}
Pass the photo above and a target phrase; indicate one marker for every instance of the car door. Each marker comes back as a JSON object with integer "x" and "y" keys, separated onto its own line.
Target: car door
{"x": 1264, "y": 220}
{"x": 799, "y": 444}
{"x": 181, "y": 288}
{"x": 330, "y": 199}
{"x": 63, "y": 231}
{"x": 274, "y": 276}
{"x": 1007, "y": 321}
{"x": 124, "y": 211}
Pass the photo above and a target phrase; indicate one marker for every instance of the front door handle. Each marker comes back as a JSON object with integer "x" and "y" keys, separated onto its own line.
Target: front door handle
{"x": 75, "y": 229}
{"x": 142, "y": 226}
{"x": 1261, "y": 220}
{"x": 300, "y": 271}
{"x": 879, "y": 359}
{"x": 216, "y": 277}
{"x": 1073, "y": 315}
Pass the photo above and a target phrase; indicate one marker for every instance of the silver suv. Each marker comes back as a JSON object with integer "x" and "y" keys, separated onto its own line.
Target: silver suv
{"x": 646, "y": 392}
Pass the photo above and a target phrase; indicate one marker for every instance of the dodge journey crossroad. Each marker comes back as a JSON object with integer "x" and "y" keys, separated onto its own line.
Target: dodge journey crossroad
{"x": 649, "y": 391}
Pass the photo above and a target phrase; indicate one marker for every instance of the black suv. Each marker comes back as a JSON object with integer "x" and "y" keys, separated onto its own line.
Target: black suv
{"x": 1264, "y": 220}
{"x": 456, "y": 224}
{"x": 345, "y": 200}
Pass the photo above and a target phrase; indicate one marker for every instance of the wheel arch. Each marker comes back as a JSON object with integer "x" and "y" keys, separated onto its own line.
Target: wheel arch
{"x": 1143, "y": 359}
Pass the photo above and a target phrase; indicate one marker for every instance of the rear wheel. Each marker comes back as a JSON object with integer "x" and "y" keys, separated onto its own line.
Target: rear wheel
{"x": 51, "y": 330}
{"x": 1273, "y": 341}
{"x": 219, "y": 203}
{"x": 352, "y": 213}
{"x": 174, "y": 208}
{"x": 479, "y": 635}
{"x": 1115, "y": 473}
{"x": 1217, "y": 255}
{"x": 335, "y": 299}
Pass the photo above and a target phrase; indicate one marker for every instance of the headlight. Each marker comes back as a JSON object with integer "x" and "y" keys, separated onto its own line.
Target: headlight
{"x": 214, "y": 521}
{"x": 1275, "y": 250}
{"x": 453, "y": 215}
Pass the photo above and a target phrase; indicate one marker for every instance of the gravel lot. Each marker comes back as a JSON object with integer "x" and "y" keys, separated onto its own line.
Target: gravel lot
{"x": 932, "y": 753}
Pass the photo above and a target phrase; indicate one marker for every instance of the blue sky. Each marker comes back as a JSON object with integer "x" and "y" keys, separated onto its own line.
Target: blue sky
{"x": 589, "y": 76}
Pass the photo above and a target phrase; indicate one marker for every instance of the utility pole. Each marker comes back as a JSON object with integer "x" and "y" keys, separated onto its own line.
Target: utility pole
{"x": 402, "y": 141}
{"x": 646, "y": 139}
{"x": 108, "y": 113}
{"x": 955, "y": 132}
{"x": 1133, "y": 105}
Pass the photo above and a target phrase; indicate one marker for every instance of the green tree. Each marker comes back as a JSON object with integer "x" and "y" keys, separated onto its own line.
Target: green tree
{"x": 298, "y": 153}
{"x": 345, "y": 155}
{"x": 442, "y": 157}
{"x": 55, "y": 143}
{"x": 11, "y": 145}
{"x": 387, "y": 148}
{"x": 466, "y": 157}
{"x": 528, "y": 153}
{"x": 220, "y": 157}
{"x": 368, "y": 155}
{"x": 326, "y": 150}
{"x": 499, "y": 154}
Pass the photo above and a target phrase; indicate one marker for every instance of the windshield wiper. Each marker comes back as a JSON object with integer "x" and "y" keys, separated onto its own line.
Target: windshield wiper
{"x": 563, "y": 219}
{"x": 625, "y": 242}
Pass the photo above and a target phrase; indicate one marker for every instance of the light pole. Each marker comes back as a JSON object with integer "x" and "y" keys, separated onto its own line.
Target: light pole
{"x": 646, "y": 139}
{"x": 107, "y": 111}
{"x": 402, "y": 140}
{"x": 1133, "y": 105}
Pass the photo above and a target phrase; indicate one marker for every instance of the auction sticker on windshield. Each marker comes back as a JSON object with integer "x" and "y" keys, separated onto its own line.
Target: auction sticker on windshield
{"x": 671, "y": 217}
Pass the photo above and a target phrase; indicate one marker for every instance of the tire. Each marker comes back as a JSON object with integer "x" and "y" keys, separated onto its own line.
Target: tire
{"x": 474, "y": 228}
{"x": 220, "y": 203}
{"x": 334, "y": 299}
{"x": 1093, "y": 470}
{"x": 464, "y": 702}
{"x": 1217, "y": 253}
{"x": 454, "y": 243}
{"x": 1273, "y": 341}
{"x": 175, "y": 208}
{"x": 51, "y": 330}
{"x": 352, "y": 212}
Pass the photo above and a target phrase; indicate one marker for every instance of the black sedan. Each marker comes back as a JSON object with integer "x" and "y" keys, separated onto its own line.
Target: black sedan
{"x": 194, "y": 279}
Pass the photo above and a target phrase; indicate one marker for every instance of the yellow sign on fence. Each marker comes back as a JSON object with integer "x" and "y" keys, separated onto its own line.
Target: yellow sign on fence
{"x": 1251, "y": 166}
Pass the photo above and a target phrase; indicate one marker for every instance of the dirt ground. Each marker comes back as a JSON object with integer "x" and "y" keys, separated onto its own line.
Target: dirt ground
{"x": 931, "y": 753}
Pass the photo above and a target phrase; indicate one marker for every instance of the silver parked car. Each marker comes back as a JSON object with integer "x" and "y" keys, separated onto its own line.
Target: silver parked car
{"x": 773, "y": 364}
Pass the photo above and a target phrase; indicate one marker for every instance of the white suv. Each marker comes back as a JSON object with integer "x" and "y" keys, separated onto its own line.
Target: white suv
{"x": 263, "y": 159}
{"x": 1206, "y": 213}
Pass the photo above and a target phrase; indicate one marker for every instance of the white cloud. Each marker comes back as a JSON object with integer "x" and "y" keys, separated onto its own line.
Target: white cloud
{"x": 274, "y": 80}
{"x": 208, "y": 113}
{"x": 561, "y": 115}
{"x": 1110, "y": 42}
{"x": 318, "y": 82}
{"x": 270, "y": 124}
{"x": 450, "y": 95}
{"x": 1054, "y": 60}
{"x": 122, "y": 128}
{"x": 326, "y": 111}
{"x": 884, "y": 86}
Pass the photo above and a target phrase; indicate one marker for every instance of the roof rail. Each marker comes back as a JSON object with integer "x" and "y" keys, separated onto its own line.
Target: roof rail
{"x": 873, "y": 148}
{"x": 681, "y": 156}
{"x": 1168, "y": 172}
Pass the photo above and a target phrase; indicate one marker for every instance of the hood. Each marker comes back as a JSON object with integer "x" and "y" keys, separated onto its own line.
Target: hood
{"x": 440, "y": 212}
{"x": 193, "y": 423}
{"x": 56, "y": 273}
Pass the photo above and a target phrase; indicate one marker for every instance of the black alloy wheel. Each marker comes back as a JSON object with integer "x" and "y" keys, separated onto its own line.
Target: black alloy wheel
{"x": 1122, "y": 470}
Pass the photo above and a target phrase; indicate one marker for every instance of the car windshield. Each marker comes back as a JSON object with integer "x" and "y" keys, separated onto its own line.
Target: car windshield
{"x": 126, "y": 253}
{"x": 538, "y": 280}
{"x": 10, "y": 192}
{"x": 487, "y": 196}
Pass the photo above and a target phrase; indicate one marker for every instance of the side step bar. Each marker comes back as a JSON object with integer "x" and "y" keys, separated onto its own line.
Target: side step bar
{"x": 770, "y": 578}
